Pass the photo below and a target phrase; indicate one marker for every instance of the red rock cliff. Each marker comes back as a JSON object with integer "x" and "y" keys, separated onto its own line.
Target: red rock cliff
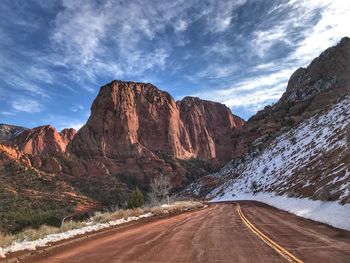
{"x": 131, "y": 119}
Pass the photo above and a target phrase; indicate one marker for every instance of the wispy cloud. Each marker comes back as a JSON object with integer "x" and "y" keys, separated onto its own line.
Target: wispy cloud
{"x": 77, "y": 107}
{"x": 289, "y": 36}
{"x": 238, "y": 52}
{"x": 26, "y": 105}
{"x": 21, "y": 84}
{"x": 254, "y": 92}
{"x": 62, "y": 122}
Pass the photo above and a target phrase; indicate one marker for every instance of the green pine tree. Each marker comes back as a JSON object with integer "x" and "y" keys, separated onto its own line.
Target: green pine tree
{"x": 136, "y": 199}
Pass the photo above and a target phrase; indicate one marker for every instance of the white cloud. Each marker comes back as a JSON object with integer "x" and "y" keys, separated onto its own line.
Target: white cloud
{"x": 62, "y": 122}
{"x": 316, "y": 36}
{"x": 125, "y": 38}
{"x": 7, "y": 113}
{"x": 333, "y": 25}
{"x": 253, "y": 92}
{"x": 77, "y": 107}
{"x": 180, "y": 25}
{"x": 26, "y": 105}
{"x": 220, "y": 13}
{"x": 79, "y": 31}
{"x": 74, "y": 124}
{"x": 107, "y": 38}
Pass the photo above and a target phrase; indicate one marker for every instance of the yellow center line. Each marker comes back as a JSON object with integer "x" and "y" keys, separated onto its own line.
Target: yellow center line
{"x": 278, "y": 248}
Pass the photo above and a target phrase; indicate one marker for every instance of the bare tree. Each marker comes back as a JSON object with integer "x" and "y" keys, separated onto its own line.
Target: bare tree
{"x": 160, "y": 188}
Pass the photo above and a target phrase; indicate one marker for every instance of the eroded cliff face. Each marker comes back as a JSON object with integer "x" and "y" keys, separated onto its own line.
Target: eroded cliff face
{"x": 42, "y": 140}
{"x": 131, "y": 119}
{"x": 207, "y": 128}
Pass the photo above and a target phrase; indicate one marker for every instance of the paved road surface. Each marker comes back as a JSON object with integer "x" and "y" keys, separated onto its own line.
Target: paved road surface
{"x": 215, "y": 234}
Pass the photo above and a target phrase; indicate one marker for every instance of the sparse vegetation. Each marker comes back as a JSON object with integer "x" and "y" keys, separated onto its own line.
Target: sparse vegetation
{"x": 160, "y": 189}
{"x": 265, "y": 170}
{"x": 99, "y": 217}
{"x": 348, "y": 134}
{"x": 136, "y": 199}
{"x": 29, "y": 199}
{"x": 293, "y": 140}
{"x": 254, "y": 187}
{"x": 6, "y": 239}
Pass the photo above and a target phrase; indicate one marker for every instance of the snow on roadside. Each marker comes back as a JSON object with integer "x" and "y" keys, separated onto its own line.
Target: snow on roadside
{"x": 33, "y": 244}
{"x": 331, "y": 213}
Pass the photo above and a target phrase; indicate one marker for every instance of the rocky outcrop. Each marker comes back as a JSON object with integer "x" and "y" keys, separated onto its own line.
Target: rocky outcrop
{"x": 329, "y": 71}
{"x": 8, "y": 154}
{"x": 309, "y": 90}
{"x": 67, "y": 135}
{"x": 9, "y": 132}
{"x": 131, "y": 119}
{"x": 207, "y": 127}
{"x": 43, "y": 140}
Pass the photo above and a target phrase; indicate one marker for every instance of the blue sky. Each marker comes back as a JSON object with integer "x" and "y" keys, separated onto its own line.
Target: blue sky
{"x": 54, "y": 55}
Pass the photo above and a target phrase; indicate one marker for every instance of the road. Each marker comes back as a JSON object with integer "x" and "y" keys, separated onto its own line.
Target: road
{"x": 215, "y": 234}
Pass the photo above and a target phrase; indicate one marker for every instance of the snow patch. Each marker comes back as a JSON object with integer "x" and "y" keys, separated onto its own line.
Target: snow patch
{"x": 90, "y": 227}
{"x": 331, "y": 213}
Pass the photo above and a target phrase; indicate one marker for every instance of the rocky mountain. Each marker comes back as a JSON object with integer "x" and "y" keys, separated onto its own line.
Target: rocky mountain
{"x": 309, "y": 90}
{"x": 42, "y": 140}
{"x": 131, "y": 119}
{"x": 137, "y": 132}
{"x": 9, "y": 132}
{"x": 300, "y": 146}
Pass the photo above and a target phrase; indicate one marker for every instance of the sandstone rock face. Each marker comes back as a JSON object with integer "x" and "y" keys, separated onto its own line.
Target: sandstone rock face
{"x": 132, "y": 120}
{"x": 67, "y": 135}
{"x": 207, "y": 128}
{"x": 8, "y": 154}
{"x": 43, "y": 140}
{"x": 9, "y": 132}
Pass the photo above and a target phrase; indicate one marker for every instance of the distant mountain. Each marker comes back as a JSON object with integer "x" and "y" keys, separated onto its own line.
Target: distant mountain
{"x": 42, "y": 140}
{"x": 8, "y": 132}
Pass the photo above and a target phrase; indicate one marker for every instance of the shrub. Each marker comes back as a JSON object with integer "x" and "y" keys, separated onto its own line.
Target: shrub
{"x": 6, "y": 240}
{"x": 136, "y": 199}
{"x": 33, "y": 234}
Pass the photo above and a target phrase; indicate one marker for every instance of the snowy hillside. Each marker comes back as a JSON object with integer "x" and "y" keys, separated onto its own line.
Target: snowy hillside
{"x": 309, "y": 162}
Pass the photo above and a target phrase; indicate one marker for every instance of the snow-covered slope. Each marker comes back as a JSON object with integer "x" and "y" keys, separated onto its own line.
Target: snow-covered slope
{"x": 305, "y": 170}
{"x": 311, "y": 160}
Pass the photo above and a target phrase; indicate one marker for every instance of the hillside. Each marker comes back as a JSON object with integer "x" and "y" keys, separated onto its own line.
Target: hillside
{"x": 311, "y": 160}
{"x": 31, "y": 197}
